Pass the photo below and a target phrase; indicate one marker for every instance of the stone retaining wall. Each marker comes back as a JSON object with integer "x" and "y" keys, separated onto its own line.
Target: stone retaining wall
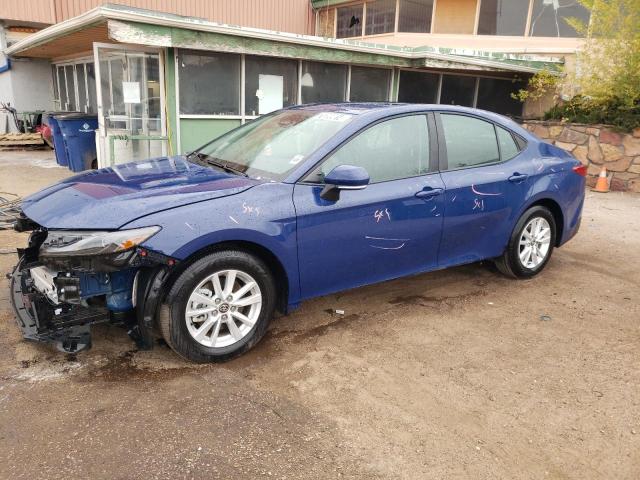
{"x": 595, "y": 146}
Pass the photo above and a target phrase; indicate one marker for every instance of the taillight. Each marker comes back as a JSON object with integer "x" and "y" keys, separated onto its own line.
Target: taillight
{"x": 581, "y": 170}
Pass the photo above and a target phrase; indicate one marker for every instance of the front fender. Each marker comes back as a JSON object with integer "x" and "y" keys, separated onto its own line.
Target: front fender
{"x": 263, "y": 215}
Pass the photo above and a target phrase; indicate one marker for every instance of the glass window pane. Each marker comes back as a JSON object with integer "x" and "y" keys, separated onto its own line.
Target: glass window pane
{"x": 54, "y": 79}
{"x": 458, "y": 90}
{"x": 349, "y": 21}
{"x": 273, "y": 145}
{"x": 415, "y": 16}
{"x": 548, "y": 16}
{"x": 503, "y": 17}
{"x": 270, "y": 84}
{"x": 71, "y": 86}
{"x": 469, "y": 141}
{"x": 508, "y": 146}
{"x": 369, "y": 84}
{"x": 418, "y": 87}
{"x": 117, "y": 76}
{"x": 495, "y": 95}
{"x": 390, "y": 150}
{"x": 209, "y": 83}
{"x": 381, "y": 17}
{"x": 154, "y": 110}
{"x": 135, "y": 73}
{"x": 323, "y": 82}
{"x": 91, "y": 86}
{"x": 63, "y": 88}
{"x": 82, "y": 90}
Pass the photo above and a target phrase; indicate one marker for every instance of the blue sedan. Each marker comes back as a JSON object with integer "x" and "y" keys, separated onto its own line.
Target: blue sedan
{"x": 303, "y": 202}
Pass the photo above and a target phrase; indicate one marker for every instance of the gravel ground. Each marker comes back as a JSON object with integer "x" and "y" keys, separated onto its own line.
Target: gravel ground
{"x": 453, "y": 374}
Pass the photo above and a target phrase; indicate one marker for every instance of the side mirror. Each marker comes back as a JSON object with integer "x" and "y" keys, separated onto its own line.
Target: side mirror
{"x": 344, "y": 177}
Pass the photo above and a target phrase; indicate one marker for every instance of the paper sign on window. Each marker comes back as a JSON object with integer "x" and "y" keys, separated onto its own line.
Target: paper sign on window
{"x": 270, "y": 93}
{"x": 131, "y": 92}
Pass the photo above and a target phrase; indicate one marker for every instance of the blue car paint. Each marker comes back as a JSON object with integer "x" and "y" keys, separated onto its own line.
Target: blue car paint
{"x": 112, "y": 197}
{"x": 375, "y": 234}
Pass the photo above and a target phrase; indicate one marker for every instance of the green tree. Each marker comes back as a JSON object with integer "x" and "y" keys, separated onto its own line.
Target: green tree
{"x": 609, "y": 64}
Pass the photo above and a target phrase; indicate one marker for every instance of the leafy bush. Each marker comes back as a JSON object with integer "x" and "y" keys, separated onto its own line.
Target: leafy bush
{"x": 610, "y": 111}
{"x": 608, "y": 65}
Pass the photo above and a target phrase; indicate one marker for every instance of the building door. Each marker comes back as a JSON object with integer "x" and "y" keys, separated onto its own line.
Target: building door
{"x": 130, "y": 96}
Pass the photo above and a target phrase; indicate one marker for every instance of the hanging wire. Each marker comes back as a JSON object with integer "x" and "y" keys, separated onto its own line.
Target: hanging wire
{"x": 9, "y": 209}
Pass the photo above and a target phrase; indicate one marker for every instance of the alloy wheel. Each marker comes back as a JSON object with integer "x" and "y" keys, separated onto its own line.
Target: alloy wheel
{"x": 535, "y": 242}
{"x": 223, "y": 308}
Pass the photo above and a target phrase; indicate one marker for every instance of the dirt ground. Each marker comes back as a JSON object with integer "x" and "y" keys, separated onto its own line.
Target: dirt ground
{"x": 453, "y": 374}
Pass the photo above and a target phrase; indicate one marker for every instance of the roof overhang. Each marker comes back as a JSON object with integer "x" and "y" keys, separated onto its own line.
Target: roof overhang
{"x": 145, "y": 27}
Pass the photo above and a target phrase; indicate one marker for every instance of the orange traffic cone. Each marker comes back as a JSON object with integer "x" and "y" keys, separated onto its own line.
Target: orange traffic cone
{"x": 602, "y": 185}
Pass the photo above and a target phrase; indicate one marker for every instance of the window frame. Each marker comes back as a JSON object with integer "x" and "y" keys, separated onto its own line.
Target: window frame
{"x": 443, "y": 164}
{"x": 390, "y": 92}
{"x": 179, "y": 52}
{"x": 363, "y": 18}
{"x": 79, "y": 74}
{"x": 363, "y": 3}
{"x": 433, "y": 148}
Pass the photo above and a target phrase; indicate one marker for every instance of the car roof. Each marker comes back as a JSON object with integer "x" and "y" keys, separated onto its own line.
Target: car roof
{"x": 370, "y": 111}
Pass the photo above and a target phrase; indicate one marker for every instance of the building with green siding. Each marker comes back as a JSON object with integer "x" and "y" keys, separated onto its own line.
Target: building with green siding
{"x": 165, "y": 84}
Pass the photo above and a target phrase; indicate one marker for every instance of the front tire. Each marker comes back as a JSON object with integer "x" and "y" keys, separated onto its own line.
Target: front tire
{"x": 219, "y": 307}
{"x": 530, "y": 245}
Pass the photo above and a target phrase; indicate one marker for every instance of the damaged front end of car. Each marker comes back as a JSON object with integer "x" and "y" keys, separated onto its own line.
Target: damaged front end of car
{"x": 66, "y": 281}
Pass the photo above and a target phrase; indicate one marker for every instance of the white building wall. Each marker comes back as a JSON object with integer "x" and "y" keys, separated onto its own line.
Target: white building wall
{"x": 26, "y": 86}
{"x": 32, "y": 84}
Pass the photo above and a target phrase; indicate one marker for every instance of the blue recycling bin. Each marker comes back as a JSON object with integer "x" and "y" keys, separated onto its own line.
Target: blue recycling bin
{"x": 58, "y": 141}
{"x": 78, "y": 131}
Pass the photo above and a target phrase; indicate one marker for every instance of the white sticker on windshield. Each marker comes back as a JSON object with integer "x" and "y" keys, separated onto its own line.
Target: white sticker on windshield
{"x": 334, "y": 117}
{"x": 296, "y": 159}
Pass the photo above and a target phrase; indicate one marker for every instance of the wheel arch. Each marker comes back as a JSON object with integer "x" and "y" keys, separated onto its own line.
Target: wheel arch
{"x": 260, "y": 251}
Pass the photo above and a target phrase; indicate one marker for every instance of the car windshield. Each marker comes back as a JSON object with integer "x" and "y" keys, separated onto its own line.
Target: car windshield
{"x": 271, "y": 146}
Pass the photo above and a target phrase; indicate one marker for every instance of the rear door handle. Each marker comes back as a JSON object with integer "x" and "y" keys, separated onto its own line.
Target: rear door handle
{"x": 518, "y": 177}
{"x": 432, "y": 192}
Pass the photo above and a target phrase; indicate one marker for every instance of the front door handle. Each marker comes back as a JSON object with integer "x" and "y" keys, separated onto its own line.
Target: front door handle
{"x": 432, "y": 192}
{"x": 518, "y": 177}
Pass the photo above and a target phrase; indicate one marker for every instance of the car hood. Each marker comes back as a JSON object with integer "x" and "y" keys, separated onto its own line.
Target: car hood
{"x": 112, "y": 197}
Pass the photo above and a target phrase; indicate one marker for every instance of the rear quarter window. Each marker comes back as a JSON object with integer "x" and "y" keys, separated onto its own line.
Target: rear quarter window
{"x": 508, "y": 146}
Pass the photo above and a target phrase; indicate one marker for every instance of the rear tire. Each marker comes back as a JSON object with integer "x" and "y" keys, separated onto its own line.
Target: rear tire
{"x": 530, "y": 245}
{"x": 219, "y": 307}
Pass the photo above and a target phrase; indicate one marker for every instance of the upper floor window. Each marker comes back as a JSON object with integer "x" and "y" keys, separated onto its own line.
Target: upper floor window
{"x": 548, "y": 18}
{"x": 503, "y": 17}
{"x": 415, "y": 16}
{"x": 381, "y": 17}
{"x": 349, "y": 21}
{"x": 494, "y": 17}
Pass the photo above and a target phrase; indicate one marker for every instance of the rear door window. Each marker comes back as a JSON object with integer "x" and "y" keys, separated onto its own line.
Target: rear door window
{"x": 469, "y": 141}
